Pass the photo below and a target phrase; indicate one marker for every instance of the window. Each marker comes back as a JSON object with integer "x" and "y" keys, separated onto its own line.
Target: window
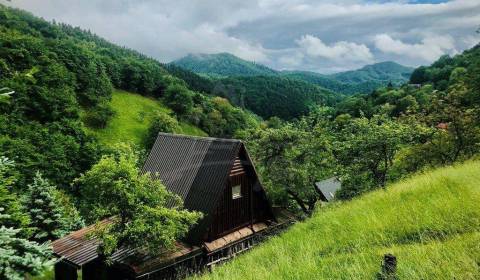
{"x": 236, "y": 191}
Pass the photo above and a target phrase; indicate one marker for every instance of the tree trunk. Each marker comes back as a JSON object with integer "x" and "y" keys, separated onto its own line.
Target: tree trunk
{"x": 299, "y": 201}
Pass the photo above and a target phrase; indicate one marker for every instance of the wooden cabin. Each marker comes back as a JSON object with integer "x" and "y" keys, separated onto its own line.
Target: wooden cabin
{"x": 211, "y": 175}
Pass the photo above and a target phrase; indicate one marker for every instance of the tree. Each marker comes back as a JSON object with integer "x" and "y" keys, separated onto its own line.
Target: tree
{"x": 11, "y": 211}
{"x": 134, "y": 203}
{"x": 19, "y": 256}
{"x": 49, "y": 219}
{"x": 366, "y": 149}
{"x": 179, "y": 98}
{"x": 291, "y": 160}
{"x": 162, "y": 122}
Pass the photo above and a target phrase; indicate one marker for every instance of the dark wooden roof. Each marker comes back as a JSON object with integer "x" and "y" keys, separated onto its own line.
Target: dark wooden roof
{"x": 195, "y": 168}
{"x": 328, "y": 188}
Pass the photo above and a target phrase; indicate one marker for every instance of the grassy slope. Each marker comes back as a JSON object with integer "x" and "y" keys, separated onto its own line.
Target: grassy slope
{"x": 132, "y": 119}
{"x": 430, "y": 222}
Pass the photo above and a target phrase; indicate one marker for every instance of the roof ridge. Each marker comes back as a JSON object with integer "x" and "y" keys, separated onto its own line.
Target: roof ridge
{"x": 201, "y": 138}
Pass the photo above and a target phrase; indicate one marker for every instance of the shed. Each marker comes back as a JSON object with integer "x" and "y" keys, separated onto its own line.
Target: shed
{"x": 212, "y": 175}
{"x": 327, "y": 188}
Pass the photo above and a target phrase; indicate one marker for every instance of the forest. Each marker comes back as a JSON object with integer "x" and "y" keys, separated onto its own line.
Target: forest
{"x": 57, "y": 81}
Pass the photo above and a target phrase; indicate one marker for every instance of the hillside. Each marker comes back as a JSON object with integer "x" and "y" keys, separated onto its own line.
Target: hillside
{"x": 133, "y": 115}
{"x": 222, "y": 65}
{"x": 379, "y": 72}
{"x": 431, "y": 222}
{"x": 362, "y": 80}
{"x": 272, "y": 96}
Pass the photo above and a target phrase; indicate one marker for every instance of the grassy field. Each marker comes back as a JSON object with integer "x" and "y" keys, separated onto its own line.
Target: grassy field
{"x": 431, "y": 222}
{"x": 133, "y": 114}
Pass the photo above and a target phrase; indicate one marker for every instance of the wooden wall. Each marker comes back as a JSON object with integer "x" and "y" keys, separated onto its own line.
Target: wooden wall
{"x": 231, "y": 214}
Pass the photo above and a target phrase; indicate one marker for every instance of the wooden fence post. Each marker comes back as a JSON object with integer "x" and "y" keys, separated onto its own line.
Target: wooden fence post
{"x": 389, "y": 268}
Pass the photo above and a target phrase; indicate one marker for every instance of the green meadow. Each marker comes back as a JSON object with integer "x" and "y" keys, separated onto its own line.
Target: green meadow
{"x": 430, "y": 222}
{"x": 133, "y": 115}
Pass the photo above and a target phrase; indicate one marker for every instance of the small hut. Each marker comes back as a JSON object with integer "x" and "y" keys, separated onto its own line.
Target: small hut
{"x": 214, "y": 176}
{"x": 327, "y": 188}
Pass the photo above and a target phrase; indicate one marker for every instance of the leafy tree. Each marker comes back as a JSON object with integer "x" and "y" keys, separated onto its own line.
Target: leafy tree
{"x": 179, "y": 99}
{"x": 134, "y": 203}
{"x": 291, "y": 161}
{"x": 366, "y": 148}
{"x": 162, "y": 122}
{"x": 48, "y": 217}
{"x": 19, "y": 256}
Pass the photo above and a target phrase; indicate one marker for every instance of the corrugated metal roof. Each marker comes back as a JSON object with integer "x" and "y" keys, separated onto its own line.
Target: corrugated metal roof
{"x": 195, "y": 168}
{"x": 76, "y": 247}
{"x": 329, "y": 187}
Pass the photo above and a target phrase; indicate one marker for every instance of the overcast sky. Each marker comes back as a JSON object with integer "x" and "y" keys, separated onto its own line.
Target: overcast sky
{"x": 323, "y": 36}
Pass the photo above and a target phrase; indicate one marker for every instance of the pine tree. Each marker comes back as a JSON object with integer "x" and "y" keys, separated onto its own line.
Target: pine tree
{"x": 11, "y": 212}
{"x": 46, "y": 212}
{"x": 18, "y": 256}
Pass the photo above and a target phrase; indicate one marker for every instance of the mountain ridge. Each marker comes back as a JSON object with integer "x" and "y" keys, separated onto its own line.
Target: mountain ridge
{"x": 361, "y": 80}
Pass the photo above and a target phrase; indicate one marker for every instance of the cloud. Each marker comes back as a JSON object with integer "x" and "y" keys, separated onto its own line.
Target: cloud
{"x": 339, "y": 51}
{"x": 327, "y": 35}
{"x": 429, "y": 49}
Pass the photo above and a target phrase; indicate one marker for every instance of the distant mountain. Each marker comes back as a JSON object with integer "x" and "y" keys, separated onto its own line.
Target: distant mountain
{"x": 388, "y": 71}
{"x": 222, "y": 65}
{"x": 363, "y": 80}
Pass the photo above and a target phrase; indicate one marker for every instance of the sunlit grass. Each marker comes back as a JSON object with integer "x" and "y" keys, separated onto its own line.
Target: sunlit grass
{"x": 431, "y": 222}
{"x": 133, "y": 115}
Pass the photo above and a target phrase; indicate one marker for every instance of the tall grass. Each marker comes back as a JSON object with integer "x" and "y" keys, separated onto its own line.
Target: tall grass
{"x": 133, "y": 115}
{"x": 431, "y": 222}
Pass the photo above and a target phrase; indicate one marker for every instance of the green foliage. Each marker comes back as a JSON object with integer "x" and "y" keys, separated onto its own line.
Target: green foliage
{"x": 425, "y": 221}
{"x": 19, "y": 256}
{"x": 11, "y": 211}
{"x": 194, "y": 81}
{"x": 291, "y": 160}
{"x": 161, "y": 123}
{"x": 366, "y": 150}
{"x": 134, "y": 203}
{"x": 438, "y": 74}
{"x": 179, "y": 98}
{"x": 49, "y": 219}
{"x": 99, "y": 115}
{"x": 270, "y": 96}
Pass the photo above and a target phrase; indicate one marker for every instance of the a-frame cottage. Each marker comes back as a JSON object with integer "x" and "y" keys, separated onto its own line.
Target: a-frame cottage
{"x": 211, "y": 175}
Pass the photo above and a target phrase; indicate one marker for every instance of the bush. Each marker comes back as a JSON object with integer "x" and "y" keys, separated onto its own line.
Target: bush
{"x": 161, "y": 123}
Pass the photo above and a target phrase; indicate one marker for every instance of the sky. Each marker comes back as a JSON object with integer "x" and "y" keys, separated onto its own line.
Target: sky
{"x": 321, "y": 36}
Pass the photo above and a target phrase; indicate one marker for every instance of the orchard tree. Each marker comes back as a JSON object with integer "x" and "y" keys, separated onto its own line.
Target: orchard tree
{"x": 134, "y": 203}
{"x": 291, "y": 160}
{"x": 366, "y": 149}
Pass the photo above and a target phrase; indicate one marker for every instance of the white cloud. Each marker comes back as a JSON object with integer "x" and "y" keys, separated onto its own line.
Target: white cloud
{"x": 290, "y": 61}
{"x": 429, "y": 49}
{"x": 339, "y": 51}
{"x": 343, "y": 34}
